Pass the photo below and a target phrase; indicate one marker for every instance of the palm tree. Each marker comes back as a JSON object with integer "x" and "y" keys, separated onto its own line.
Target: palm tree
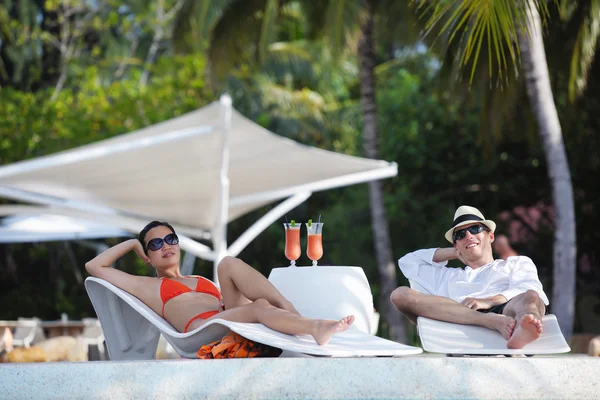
{"x": 381, "y": 235}
{"x": 537, "y": 80}
{"x": 509, "y": 33}
{"x": 340, "y": 24}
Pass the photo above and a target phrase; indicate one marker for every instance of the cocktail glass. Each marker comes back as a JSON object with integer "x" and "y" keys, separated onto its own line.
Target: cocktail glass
{"x": 292, "y": 242}
{"x": 314, "y": 248}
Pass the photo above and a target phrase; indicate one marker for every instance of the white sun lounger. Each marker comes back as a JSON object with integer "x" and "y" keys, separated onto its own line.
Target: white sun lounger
{"x": 132, "y": 330}
{"x": 457, "y": 339}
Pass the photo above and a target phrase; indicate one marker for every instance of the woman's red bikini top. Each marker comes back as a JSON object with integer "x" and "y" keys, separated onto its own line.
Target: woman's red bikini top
{"x": 170, "y": 289}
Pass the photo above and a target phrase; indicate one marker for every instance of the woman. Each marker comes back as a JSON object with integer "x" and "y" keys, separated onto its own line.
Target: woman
{"x": 188, "y": 302}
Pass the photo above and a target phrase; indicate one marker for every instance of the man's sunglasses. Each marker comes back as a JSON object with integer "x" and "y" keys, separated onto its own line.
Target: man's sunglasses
{"x": 474, "y": 229}
{"x": 158, "y": 243}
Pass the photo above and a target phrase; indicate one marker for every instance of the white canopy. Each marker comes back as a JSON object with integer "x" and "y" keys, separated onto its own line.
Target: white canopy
{"x": 197, "y": 171}
{"x": 26, "y": 228}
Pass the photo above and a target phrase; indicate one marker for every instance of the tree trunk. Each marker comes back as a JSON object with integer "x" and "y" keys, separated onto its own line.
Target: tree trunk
{"x": 539, "y": 91}
{"x": 381, "y": 236}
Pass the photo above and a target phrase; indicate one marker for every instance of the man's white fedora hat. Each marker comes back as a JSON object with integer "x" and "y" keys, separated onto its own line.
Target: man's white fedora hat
{"x": 466, "y": 215}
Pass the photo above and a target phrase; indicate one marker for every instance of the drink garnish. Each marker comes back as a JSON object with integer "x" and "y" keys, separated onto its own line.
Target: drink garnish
{"x": 293, "y": 224}
{"x": 309, "y": 223}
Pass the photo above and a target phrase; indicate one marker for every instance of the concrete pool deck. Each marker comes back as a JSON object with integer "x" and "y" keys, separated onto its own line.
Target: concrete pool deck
{"x": 424, "y": 376}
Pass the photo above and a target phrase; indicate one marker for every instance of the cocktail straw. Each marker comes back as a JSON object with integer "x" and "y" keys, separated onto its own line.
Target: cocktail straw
{"x": 286, "y": 220}
{"x": 319, "y": 219}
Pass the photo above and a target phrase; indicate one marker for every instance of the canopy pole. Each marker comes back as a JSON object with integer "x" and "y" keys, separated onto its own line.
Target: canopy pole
{"x": 263, "y": 223}
{"x": 220, "y": 233}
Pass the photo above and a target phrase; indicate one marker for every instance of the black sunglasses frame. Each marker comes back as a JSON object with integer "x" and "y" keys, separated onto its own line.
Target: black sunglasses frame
{"x": 158, "y": 243}
{"x": 474, "y": 229}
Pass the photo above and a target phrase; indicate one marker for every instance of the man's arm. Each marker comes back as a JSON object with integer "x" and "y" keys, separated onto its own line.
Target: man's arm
{"x": 426, "y": 267}
{"x": 485, "y": 303}
{"x": 446, "y": 254}
{"x": 450, "y": 253}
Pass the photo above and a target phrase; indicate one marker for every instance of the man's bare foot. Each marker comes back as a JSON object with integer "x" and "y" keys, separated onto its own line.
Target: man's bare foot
{"x": 325, "y": 328}
{"x": 503, "y": 324}
{"x": 529, "y": 329}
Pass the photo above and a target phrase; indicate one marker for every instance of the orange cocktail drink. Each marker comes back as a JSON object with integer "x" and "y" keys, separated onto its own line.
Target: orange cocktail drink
{"x": 314, "y": 248}
{"x": 292, "y": 242}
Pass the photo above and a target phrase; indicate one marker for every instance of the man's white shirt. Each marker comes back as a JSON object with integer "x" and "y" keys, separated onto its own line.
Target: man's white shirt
{"x": 509, "y": 278}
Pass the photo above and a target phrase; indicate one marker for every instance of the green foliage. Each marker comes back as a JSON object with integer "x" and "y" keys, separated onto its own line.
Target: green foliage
{"x": 37, "y": 280}
{"x": 32, "y": 124}
{"x": 584, "y": 16}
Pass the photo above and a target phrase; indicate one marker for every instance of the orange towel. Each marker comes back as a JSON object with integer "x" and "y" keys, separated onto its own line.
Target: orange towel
{"x": 233, "y": 345}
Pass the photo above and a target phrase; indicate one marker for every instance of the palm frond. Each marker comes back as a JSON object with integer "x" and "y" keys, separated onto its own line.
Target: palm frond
{"x": 291, "y": 61}
{"x": 584, "y": 50}
{"x": 566, "y": 8}
{"x": 343, "y": 19}
{"x": 235, "y": 35}
{"x": 194, "y": 22}
{"x": 268, "y": 28}
{"x": 5, "y": 38}
{"x": 396, "y": 23}
{"x": 493, "y": 25}
{"x": 301, "y": 104}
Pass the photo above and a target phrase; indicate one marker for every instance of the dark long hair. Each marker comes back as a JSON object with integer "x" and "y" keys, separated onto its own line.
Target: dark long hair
{"x": 153, "y": 224}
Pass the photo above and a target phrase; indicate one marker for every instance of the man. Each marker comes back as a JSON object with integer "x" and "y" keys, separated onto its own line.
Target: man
{"x": 503, "y": 248}
{"x": 505, "y": 295}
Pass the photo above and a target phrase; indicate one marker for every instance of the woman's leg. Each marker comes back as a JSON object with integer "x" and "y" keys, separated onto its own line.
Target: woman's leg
{"x": 263, "y": 312}
{"x": 241, "y": 284}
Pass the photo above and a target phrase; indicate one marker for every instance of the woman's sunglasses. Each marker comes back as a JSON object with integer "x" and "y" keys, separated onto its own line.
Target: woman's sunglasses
{"x": 158, "y": 243}
{"x": 474, "y": 229}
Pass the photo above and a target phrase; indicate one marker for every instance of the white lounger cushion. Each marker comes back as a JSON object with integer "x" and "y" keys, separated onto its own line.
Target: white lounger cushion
{"x": 132, "y": 331}
{"x": 327, "y": 293}
{"x": 449, "y": 338}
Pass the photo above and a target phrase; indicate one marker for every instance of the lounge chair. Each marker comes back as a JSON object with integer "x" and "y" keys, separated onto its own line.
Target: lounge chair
{"x": 458, "y": 340}
{"x": 27, "y": 332}
{"x": 92, "y": 335}
{"x": 132, "y": 329}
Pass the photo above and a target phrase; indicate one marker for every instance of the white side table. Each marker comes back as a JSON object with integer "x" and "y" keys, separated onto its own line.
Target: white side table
{"x": 327, "y": 292}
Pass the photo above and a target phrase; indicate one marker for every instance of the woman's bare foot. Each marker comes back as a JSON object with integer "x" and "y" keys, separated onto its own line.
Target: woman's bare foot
{"x": 503, "y": 324}
{"x": 529, "y": 329}
{"x": 325, "y": 328}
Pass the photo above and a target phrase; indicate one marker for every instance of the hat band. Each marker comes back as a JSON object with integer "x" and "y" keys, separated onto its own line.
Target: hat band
{"x": 466, "y": 217}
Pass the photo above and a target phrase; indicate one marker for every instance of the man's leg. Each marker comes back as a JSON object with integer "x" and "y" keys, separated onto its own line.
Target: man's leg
{"x": 527, "y": 309}
{"x": 413, "y": 304}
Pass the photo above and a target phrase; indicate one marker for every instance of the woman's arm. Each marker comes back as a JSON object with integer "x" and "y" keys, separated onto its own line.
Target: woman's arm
{"x": 109, "y": 256}
{"x": 99, "y": 266}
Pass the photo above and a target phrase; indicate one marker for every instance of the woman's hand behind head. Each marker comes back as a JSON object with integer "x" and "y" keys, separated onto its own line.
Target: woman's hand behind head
{"x": 139, "y": 250}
